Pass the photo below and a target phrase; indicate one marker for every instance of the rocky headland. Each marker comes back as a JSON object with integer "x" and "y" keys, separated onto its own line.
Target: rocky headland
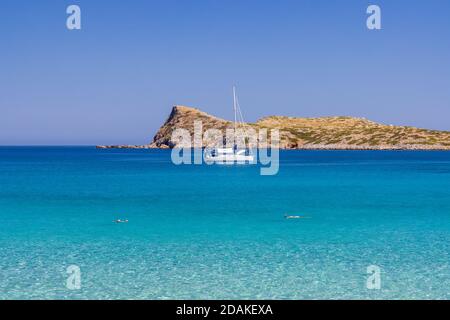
{"x": 325, "y": 133}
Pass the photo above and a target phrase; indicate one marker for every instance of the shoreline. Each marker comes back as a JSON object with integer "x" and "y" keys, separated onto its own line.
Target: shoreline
{"x": 312, "y": 147}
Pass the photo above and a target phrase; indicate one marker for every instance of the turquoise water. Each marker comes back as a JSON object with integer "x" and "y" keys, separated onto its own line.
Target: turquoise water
{"x": 218, "y": 232}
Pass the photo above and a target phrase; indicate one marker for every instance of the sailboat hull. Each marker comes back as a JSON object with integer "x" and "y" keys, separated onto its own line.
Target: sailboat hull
{"x": 230, "y": 159}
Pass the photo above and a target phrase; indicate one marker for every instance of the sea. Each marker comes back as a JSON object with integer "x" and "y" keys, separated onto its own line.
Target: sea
{"x": 370, "y": 225}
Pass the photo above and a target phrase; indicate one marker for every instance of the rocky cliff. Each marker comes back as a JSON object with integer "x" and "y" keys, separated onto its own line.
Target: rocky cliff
{"x": 346, "y": 133}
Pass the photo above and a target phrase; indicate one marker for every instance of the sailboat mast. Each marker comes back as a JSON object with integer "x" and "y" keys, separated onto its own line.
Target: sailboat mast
{"x": 234, "y": 107}
{"x": 235, "y": 117}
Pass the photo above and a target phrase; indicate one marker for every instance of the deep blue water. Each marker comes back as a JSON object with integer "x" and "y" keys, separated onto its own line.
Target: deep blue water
{"x": 218, "y": 232}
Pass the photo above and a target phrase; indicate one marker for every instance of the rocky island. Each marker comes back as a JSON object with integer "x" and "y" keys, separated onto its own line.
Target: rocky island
{"x": 325, "y": 133}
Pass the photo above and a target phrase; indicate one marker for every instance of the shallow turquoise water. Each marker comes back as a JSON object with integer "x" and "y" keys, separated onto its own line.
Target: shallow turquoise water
{"x": 218, "y": 232}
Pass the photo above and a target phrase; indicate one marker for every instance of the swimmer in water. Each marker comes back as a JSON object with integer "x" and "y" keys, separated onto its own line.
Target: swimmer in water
{"x": 294, "y": 217}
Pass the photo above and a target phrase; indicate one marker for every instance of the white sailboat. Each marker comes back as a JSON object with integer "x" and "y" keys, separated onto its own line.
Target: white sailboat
{"x": 231, "y": 155}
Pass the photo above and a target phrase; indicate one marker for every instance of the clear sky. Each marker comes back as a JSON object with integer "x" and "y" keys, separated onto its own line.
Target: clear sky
{"x": 115, "y": 80}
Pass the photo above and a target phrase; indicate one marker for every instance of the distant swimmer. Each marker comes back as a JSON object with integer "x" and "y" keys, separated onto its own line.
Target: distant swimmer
{"x": 286, "y": 216}
{"x": 121, "y": 221}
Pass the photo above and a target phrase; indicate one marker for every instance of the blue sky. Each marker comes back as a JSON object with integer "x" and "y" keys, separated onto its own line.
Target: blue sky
{"x": 116, "y": 80}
